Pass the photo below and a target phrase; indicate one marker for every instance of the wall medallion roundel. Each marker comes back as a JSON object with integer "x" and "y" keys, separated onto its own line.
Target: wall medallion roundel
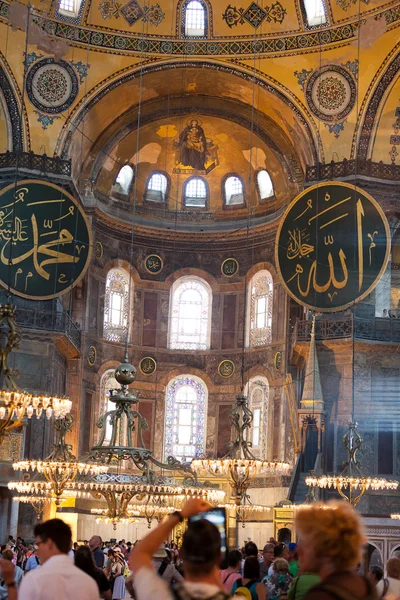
{"x": 52, "y": 86}
{"x": 230, "y": 267}
{"x": 45, "y": 240}
{"x": 153, "y": 264}
{"x": 92, "y": 355}
{"x": 332, "y": 246}
{"x": 148, "y": 365}
{"x": 331, "y": 93}
{"x": 226, "y": 368}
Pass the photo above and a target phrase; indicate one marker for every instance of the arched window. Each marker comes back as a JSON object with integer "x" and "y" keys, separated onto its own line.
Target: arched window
{"x": 185, "y": 418}
{"x": 107, "y": 383}
{"x": 260, "y": 307}
{"x": 70, "y": 8}
{"x": 195, "y": 19}
{"x": 190, "y": 320}
{"x": 116, "y": 306}
{"x": 265, "y": 187}
{"x": 124, "y": 179}
{"x": 257, "y": 394}
{"x": 195, "y": 192}
{"x": 156, "y": 188}
{"x": 315, "y": 12}
{"x": 233, "y": 191}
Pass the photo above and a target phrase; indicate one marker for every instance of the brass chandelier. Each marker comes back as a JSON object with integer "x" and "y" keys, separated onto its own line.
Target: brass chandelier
{"x": 351, "y": 483}
{"x": 239, "y": 465}
{"x": 15, "y": 404}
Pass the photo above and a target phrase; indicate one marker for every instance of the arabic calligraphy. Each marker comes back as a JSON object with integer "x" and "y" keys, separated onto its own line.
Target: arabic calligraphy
{"x": 148, "y": 365}
{"x": 332, "y": 246}
{"x": 45, "y": 242}
{"x": 226, "y": 368}
{"x": 230, "y": 267}
{"x": 153, "y": 264}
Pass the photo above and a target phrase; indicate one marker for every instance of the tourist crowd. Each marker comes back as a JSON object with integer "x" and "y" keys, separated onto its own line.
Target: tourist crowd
{"x": 324, "y": 565}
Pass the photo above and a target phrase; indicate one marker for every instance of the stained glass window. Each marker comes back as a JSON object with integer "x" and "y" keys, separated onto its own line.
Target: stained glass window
{"x": 315, "y": 12}
{"x": 108, "y": 382}
{"x": 264, "y": 183}
{"x": 195, "y": 192}
{"x": 260, "y": 321}
{"x": 258, "y": 393}
{"x": 156, "y": 188}
{"x": 116, "y": 306}
{"x": 185, "y": 415}
{"x": 70, "y": 7}
{"x": 124, "y": 179}
{"x": 233, "y": 191}
{"x": 195, "y": 19}
{"x": 190, "y": 320}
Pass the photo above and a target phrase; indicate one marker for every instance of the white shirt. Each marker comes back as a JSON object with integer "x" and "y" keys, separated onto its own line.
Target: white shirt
{"x": 393, "y": 589}
{"x": 148, "y": 585}
{"x": 58, "y": 579}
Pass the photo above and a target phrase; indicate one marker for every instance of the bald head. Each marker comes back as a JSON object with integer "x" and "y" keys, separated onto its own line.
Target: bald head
{"x": 95, "y": 542}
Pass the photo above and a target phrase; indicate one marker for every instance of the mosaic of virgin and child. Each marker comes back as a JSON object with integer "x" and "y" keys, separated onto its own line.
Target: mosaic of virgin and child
{"x": 194, "y": 150}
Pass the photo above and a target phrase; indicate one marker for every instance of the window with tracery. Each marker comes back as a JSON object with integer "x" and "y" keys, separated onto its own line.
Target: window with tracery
{"x": 195, "y": 19}
{"x": 156, "y": 190}
{"x": 69, "y": 7}
{"x": 315, "y": 12}
{"x": 124, "y": 179}
{"x": 260, "y": 321}
{"x": 185, "y": 418}
{"x": 265, "y": 187}
{"x": 258, "y": 393}
{"x": 233, "y": 191}
{"x": 195, "y": 192}
{"x": 116, "y": 306}
{"x": 108, "y": 382}
{"x": 190, "y": 319}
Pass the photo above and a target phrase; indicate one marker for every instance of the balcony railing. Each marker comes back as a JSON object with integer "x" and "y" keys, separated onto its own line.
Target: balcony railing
{"x": 378, "y": 329}
{"x": 345, "y": 168}
{"x": 45, "y": 320}
{"x": 35, "y": 162}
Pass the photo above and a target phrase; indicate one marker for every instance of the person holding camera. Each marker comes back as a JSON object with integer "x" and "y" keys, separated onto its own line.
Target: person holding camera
{"x": 200, "y": 551}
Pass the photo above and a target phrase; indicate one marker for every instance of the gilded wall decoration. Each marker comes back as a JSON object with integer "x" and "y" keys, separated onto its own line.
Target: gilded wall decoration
{"x": 345, "y": 4}
{"x": 13, "y": 111}
{"x": 229, "y": 267}
{"x": 254, "y": 15}
{"x": 226, "y": 368}
{"x": 92, "y": 355}
{"x": 45, "y": 120}
{"x": 332, "y": 246}
{"x": 148, "y": 365}
{"x": 98, "y": 250}
{"x": 132, "y": 12}
{"x": 193, "y": 151}
{"x": 46, "y": 242}
{"x": 395, "y": 138}
{"x": 153, "y": 264}
{"x": 52, "y": 87}
{"x": 330, "y": 93}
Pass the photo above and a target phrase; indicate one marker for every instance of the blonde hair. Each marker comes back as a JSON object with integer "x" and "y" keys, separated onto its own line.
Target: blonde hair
{"x": 392, "y": 567}
{"x": 281, "y": 564}
{"x": 335, "y": 532}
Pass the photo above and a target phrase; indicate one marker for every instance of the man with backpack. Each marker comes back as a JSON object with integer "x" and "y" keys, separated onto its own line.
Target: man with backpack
{"x": 201, "y": 554}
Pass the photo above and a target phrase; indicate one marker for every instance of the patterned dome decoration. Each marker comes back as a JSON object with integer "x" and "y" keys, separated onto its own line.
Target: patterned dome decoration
{"x": 331, "y": 93}
{"x": 52, "y": 86}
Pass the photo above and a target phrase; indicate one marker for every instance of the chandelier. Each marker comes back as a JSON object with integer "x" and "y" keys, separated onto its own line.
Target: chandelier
{"x": 59, "y": 469}
{"x": 16, "y": 404}
{"x": 246, "y": 510}
{"x": 239, "y": 466}
{"x": 351, "y": 483}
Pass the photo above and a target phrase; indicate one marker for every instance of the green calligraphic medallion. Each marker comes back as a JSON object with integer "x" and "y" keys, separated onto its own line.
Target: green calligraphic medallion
{"x": 229, "y": 267}
{"x": 332, "y": 246}
{"x": 226, "y": 368}
{"x": 148, "y": 365}
{"x": 45, "y": 240}
{"x": 153, "y": 264}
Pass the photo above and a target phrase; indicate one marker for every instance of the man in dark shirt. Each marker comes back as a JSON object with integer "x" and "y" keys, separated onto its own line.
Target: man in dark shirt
{"x": 268, "y": 559}
{"x": 95, "y": 543}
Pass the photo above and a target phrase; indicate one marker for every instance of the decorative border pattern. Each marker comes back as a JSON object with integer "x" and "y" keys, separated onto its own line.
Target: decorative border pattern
{"x": 254, "y": 14}
{"x": 61, "y": 64}
{"x": 13, "y": 111}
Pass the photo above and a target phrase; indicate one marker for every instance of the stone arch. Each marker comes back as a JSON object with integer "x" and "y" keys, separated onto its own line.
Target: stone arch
{"x": 192, "y": 272}
{"x": 18, "y": 138}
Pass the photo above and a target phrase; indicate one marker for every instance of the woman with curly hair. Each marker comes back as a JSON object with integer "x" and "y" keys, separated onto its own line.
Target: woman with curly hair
{"x": 331, "y": 540}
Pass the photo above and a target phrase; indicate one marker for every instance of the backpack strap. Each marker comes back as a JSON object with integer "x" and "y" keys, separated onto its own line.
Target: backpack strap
{"x": 227, "y": 577}
{"x": 250, "y": 583}
{"x": 385, "y": 587}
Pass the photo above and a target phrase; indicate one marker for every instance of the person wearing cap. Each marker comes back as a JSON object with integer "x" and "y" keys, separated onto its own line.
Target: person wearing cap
{"x": 201, "y": 554}
{"x": 293, "y": 559}
{"x": 164, "y": 567}
{"x": 117, "y": 575}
